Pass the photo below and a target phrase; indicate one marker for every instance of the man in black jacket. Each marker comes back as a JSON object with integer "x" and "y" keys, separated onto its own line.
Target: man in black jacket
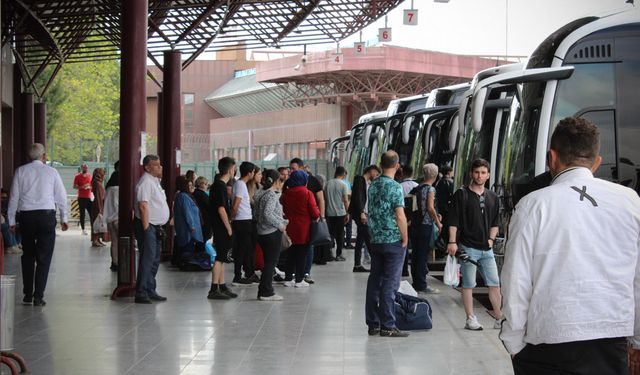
{"x": 358, "y": 211}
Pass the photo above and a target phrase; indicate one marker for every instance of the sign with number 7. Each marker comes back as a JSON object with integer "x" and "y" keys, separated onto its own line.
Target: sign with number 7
{"x": 384, "y": 34}
{"x": 359, "y": 48}
{"x": 410, "y": 17}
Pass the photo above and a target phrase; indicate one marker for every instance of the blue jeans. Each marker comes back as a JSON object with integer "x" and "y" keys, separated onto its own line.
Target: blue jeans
{"x": 488, "y": 268}
{"x": 150, "y": 249}
{"x": 383, "y": 283}
{"x": 421, "y": 234}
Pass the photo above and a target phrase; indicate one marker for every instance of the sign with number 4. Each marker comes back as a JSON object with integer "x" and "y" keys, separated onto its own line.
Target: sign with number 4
{"x": 384, "y": 34}
{"x": 337, "y": 59}
{"x": 410, "y": 17}
{"x": 359, "y": 48}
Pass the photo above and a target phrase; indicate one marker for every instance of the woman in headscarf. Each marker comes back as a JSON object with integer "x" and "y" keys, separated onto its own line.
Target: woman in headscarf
{"x": 97, "y": 206}
{"x": 300, "y": 209}
{"x": 186, "y": 216}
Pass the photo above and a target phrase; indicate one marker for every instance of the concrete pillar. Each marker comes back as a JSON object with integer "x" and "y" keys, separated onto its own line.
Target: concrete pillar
{"x": 40, "y": 123}
{"x": 27, "y": 124}
{"x": 133, "y": 103}
{"x": 170, "y": 122}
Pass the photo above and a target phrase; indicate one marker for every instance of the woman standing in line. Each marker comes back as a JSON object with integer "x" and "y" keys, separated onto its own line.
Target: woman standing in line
{"x": 187, "y": 219}
{"x": 201, "y": 195}
{"x": 111, "y": 213}
{"x": 97, "y": 206}
{"x": 271, "y": 226}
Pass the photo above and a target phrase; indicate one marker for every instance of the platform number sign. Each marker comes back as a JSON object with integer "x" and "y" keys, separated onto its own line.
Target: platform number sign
{"x": 337, "y": 59}
{"x": 384, "y": 34}
{"x": 359, "y": 48}
{"x": 410, "y": 17}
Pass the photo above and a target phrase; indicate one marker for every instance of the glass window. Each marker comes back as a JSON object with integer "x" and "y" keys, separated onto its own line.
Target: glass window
{"x": 605, "y": 120}
{"x": 187, "y": 110}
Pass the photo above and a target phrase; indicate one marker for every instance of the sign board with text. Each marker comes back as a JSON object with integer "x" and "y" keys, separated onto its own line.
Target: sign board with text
{"x": 410, "y": 17}
{"x": 384, "y": 34}
{"x": 359, "y": 48}
{"x": 337, "y": 58}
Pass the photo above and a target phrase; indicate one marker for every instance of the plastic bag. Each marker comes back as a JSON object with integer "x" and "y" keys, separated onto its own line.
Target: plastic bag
{"x": 451, "y": 272}
{"x": 406, "y": 288}
{"x": 208, "y": 247}
{"x": 99, "y": 224}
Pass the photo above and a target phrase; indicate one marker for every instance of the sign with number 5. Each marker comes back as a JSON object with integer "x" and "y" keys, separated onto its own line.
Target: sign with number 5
{"x": 359, "y": 48}
{"x": 410, "y": 17}
{"x": 384, "y": 34}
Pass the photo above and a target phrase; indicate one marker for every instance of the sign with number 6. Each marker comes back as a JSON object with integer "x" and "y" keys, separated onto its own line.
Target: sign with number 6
{"x": 359, "y": 48}
{"x": 337, "y": 59}
{"x": 384, "y": 34}
{"x": 410, "y": 17}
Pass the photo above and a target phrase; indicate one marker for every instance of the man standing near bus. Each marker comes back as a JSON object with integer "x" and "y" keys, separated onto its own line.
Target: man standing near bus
{"x": 571, "y": 278}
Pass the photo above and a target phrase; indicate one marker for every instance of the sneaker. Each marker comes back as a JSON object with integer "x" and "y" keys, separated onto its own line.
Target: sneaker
{"x": 279, "y": 273}
{"x": 302, "y": 284}
{"x": 227, "y": 291}
{"x": 497, "y": 324}
{"x": 254, "y": 279}
{"x": 374, "y": 331}
{"x": 430, "y": 290}
{"x": 84, "y": 232}
{"x": 27, "y": 300}
{"x": 308, "y": 279}
{"x": 393, "y": 333}
{"x": 340, "y": 258}
{"x": 290, "y": 283}
{"x": 274, "y": 297}
{"x": 278, "y": 279}
{"x": 473, "y": 324}
{"x": 241, "y": 281}
{"x": 217, "y": 294}
{"x": 360, "y": 269}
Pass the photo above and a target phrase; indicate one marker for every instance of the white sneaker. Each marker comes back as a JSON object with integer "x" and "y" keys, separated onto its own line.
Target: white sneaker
{"x": 274, "y": 297}
{"x": 290, "y": 283}
{"x": 84, "y": 232}
{"x": 473, "y": 324}
{"x": 430, "y": 290}
{"x": 497, "y": 324}
{"x": 279, "y": 273}
{"x": 302, "y": 284}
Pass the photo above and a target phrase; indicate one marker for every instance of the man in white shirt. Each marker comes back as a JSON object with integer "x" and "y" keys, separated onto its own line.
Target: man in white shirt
{"x": 36, "y": 190}
{"x": 151, "y": 213}
{"x": 571, "y": 278}
{"x": 243, "y": 247}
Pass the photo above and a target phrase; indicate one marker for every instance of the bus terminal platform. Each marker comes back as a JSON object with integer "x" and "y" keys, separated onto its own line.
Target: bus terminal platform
{"x": 315, "y": 330}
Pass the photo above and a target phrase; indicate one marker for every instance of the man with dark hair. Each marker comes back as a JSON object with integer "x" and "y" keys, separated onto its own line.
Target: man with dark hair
{"x": 473, "y": 227}
{"x": 36, "y": 191}
{"x": 151, "y": 213}
{"x": 407, "y": 183}
{"x": 337, "y": 201}
{"x": 389, "y": 240}
{"x": 358, "y": 210}
{"x": 243, "y": 249}
{"x": 221, "y": 227}
{"x": 571, "y": 277}
{"x": 284, "y": 173}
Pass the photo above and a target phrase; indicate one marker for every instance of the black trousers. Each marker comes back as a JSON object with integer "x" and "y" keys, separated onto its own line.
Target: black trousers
{"x": 296, "y": 262}
{"x": 244, "y": 250}
{"x": 336, "y": 228}
{"x": 592, "y": 357}
{"x": 84, "y": 204}
{"x": 271, "y": 244}
{"x": 38, "y": 231}
{"x": 363, "y": 237}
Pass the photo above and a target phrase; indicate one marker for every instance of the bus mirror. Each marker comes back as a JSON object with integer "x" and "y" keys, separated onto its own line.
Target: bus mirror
{"x": 406, "y": 130}
{"x": 477, "y": 106}
{"x": 453, "y": 133}
{"x": 464, "y": 104}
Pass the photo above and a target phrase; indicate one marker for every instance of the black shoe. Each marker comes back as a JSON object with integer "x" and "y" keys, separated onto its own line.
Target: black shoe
{"x": 308, "y": 279}
{"x": 374, "y": 331}
{"x": 340, "y": 258}
{"x": 157, "y": 297}
{"x": 39, "y": 302}
{"x": 217, "y": 294}
{"x": 254, "y": 279}
{"x": 350, "y": 247}
{"x": 242, "y": 281}
{"x": 143, "y": 300}
{"x": 278, "y": 279}
{"x": 393, "y": 333}
{"x": 360, "y": 269}
{"x": 114, "y": 267}
{"x": 227, "y": 291}
{"x": 27, "y": 300}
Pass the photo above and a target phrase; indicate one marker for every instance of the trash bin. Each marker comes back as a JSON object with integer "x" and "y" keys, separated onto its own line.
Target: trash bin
{"x": 7, "y": 307}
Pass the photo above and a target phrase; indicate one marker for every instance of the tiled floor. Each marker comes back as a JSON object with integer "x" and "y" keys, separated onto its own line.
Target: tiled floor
{"x": 319, "y": 330}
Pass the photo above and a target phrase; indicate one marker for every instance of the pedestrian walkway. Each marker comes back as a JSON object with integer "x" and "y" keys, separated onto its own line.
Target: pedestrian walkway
{"x": 316, "y": 330}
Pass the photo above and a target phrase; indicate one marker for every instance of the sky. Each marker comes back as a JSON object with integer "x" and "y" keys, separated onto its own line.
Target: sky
{"x": 484, "y": 27}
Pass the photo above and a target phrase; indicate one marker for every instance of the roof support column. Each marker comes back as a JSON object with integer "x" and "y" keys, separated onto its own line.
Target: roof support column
{"x": 40, "y": 123}
{"x": 169, "y": 130}
{"x": 133, "y": 104}
{"x": 26, "y": 107}
{"x": 17, "y": 119}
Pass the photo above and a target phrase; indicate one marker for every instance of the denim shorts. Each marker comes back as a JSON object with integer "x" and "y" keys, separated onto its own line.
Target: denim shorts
{"x": 488, "y": 268}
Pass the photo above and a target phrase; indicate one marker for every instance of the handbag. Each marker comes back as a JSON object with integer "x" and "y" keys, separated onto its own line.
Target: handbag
{"x": 286, "y": 241}
{"x": 320, "y": 233}
{"x": 99, "y": 225}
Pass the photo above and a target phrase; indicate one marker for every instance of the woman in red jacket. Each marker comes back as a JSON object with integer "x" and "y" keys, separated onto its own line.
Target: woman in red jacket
{"x": 300, "y": 208}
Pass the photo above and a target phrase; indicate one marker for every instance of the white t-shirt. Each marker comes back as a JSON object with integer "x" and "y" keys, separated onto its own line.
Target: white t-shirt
{"x": 149, "y": 190}
{"x": 240, "y": 191}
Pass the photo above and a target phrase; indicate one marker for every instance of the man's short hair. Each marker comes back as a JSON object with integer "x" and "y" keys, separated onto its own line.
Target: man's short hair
{"x": 445, "y": 170}
{"x": 281, "y": 169}
{"x": 36, "y": 151}
{"x": 479, "y": 163}
{"x": 225, "y": 164}
{"x": 340, "y": 171}
{"x": 407, "y": 171}
{"x": 576, "y": 141}
{"x": 430, "y": 171}
{"x": 297, "y": 161}
{"x": 372, "y": 167}
{"x": 149, "y": 158}
{"x": 389, "y": 160}
{"x": 246, "y": 168}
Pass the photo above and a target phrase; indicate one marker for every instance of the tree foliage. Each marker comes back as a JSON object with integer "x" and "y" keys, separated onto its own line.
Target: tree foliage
{"x": 83, "y": 112}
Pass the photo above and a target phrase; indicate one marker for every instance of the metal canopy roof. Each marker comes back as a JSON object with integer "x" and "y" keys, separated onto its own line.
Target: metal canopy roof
{"x": 54, "y": 32}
